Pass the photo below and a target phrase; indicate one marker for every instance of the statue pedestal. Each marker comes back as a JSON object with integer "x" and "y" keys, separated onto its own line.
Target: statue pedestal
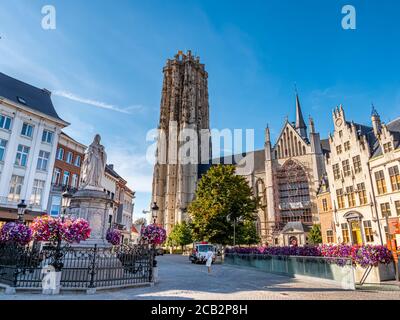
{"x": 92, "y": 205}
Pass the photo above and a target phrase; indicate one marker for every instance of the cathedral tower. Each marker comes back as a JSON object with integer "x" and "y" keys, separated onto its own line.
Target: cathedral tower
{"x": 184, "y": 116}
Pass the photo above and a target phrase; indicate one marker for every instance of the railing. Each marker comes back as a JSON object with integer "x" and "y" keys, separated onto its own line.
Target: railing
{"x": 83, "y": 268}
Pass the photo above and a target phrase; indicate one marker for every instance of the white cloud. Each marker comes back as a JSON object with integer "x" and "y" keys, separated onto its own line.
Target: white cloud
{"x": 132, "y": 167}
{"x": 96, "y": 103}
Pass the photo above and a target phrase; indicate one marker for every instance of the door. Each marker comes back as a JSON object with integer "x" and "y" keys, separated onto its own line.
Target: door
{"x": 356, "y": 232}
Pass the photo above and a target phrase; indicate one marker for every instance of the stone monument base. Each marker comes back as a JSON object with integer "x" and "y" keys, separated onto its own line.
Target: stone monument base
{"x": 92, "y": 205}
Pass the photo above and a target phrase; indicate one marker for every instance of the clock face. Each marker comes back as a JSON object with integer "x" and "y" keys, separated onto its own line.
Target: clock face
{"x": 339, "y": 122}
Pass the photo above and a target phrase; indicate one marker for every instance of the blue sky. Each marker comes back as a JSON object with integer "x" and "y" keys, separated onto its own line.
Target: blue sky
{"x": 104, "y": 64}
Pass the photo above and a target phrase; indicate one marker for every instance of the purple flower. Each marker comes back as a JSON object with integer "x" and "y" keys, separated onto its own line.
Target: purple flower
{"x": 15, "y": 232}
{"x": 114, "y": 237}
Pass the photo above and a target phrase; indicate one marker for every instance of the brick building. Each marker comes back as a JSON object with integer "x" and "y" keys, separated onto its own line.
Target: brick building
{"x": 67, "y": 171}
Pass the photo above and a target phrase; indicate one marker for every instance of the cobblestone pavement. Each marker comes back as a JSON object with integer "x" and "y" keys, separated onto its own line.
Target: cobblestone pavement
{"x": 179, "y": 279}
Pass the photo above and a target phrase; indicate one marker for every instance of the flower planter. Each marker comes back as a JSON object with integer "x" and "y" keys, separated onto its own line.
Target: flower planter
{"x": 377, "y": 274}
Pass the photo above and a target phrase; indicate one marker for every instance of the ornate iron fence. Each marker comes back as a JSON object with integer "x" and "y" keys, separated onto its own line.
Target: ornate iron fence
{"x": 82, "y": 268}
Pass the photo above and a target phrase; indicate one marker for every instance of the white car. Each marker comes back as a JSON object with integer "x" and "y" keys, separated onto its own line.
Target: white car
{"x": 199, "y": 252}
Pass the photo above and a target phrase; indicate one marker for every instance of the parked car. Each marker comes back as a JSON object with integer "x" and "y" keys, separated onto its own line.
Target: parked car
{"x": 160, "y": 252}
{"x": 200, "y": 250}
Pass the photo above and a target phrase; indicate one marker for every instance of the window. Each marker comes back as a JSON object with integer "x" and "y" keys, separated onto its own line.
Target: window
{"x": 347, "y": 146}
{"x": 351, "y": 197}
{"x": 340, "y": 198}
{"x": 60, "y": 154}
{"x": 69, "y": 157}
{"x": 78, "y": 161}
{"x": 74, "y": 181}
{"x": 346, "y": 168}
{"x": 345, "y": 233}
{"x": 385, "y": 209}
{"x": 55, "y": 205}
{"x": 37, "y": 191}
{"x": 27, "y": 130}
{"x": 397, "y": 205}
{"x": 336, "y": 171}
{"x": 357, "y": 164}
{"x": 324, "y": 205}
{"x": 21, "y": 100}
{"x": 15, "y": 188}
{"x": 47, "y": 136}
{"x": 56, "y": 176}
{"x": 380, "y": 182}
{"x": 5, "y": 122}
{"x": 387, "y": 147}
{"x": 65, "y": 178}
{"x": 329, "y": 236}
{"x": 22, "y": 155}
{"x": 43, "y": 160}
{"x": 362, "y": 194}
{"x": 340, "y": 133}
{"x": 369, "y": 235}
{"x": 339, "y": 149}
{"x": 394, "y": 178}
{"x": 3, "y": 145}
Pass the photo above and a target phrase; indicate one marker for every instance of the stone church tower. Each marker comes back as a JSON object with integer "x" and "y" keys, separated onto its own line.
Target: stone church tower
{"x": 184, "y": 116}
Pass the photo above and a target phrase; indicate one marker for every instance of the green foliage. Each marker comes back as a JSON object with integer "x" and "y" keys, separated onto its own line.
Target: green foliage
{"x": 181, "y": 235}
{"x": 315, "y": 236}
{"x": 247, "y": 233}
{"x": 221, "y": 193}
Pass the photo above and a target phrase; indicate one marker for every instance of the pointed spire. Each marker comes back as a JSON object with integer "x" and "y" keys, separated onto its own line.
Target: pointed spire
{"x": 267, "y": 135}
{"x": 374, "y": 112}
{"x": 300, "y": 124}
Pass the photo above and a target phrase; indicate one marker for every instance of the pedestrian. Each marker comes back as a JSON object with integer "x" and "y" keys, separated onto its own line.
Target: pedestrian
{"x": 209, "y": 257}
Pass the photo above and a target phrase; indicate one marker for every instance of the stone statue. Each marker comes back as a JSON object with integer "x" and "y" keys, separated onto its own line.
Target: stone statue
{"x": 94, "y": 165}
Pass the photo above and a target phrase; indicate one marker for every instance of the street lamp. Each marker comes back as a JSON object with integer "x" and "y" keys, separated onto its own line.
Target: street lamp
{"x": 235, "y": 220}
{"x": 66, "y": 200}
{"x": 21, "y": 211}
{"x": 58, "y": 254}
{"x": 154, "y": 212}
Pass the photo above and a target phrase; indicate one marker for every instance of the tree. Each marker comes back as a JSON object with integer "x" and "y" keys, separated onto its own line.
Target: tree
{"x": 315, "y": 236}
{"x": 220, "y": 193}
{"x": 247, "y": 233}
{"x": 181, "y": 235}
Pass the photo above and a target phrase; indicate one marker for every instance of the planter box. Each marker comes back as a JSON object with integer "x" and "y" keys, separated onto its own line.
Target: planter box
{"x": 319, "y": 268}
{"x": 377, "y": 274}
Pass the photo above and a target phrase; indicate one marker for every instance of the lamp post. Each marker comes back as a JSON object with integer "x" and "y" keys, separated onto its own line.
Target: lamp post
{"x": 235, "y": 220}
{"x": 21, "y": 211}
{"x": 58, "y": 255}
{"x": 154, "y": 212}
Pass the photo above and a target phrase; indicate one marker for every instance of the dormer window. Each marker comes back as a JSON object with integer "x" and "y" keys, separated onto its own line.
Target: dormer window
{"x": 387, "y": 147}
{"x": 21, "y": 100}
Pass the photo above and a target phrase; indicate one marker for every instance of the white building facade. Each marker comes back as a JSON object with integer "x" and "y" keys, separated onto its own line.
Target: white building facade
{"x": 364, "y": 179}
{"x": 29, "y": 133}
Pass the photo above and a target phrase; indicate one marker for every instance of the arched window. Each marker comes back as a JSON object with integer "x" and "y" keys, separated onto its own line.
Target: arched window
{"x": 294, "y": 194}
